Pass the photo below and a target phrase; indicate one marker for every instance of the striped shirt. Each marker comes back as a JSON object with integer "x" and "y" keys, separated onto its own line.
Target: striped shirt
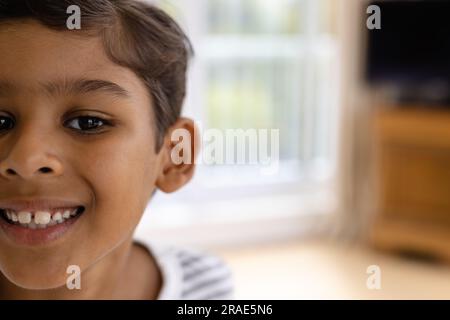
{"x": 190, "y": 274}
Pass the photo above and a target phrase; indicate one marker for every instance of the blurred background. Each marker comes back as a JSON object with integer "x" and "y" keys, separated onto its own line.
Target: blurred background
{"x": 364, "y": 155}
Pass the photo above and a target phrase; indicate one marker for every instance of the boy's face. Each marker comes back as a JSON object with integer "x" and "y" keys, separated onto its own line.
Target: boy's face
{"x": 111, "y": 171}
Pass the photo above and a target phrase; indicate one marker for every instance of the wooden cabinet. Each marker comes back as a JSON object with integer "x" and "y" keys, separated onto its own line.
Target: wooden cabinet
{"x": 412, "y": 173}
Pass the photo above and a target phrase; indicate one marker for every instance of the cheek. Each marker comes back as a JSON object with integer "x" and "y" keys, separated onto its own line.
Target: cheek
{"x": 121, "y": 172}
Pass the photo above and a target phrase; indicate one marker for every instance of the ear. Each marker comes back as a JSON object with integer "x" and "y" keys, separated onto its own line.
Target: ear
{"x": 178, "y": 153}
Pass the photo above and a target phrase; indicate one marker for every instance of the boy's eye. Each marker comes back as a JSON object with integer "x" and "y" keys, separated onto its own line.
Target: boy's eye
{"x": 86, "y": 123}
{"x": 6, "y": 123}
{"x": 83, "y": 124}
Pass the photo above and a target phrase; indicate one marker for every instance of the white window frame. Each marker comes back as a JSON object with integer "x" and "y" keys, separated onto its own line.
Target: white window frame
{"x": 250, "y": 213}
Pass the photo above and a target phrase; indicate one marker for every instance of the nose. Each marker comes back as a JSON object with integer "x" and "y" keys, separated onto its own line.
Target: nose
{"x": 29, "y": 158}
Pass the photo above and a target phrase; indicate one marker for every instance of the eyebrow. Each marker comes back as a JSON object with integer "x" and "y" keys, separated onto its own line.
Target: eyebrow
{"x": 6, "y": 88}
{"x": 72, "y": 86}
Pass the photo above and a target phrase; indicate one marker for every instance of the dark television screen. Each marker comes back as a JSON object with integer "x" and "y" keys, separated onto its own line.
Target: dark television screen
{"x": 413, "y": 44}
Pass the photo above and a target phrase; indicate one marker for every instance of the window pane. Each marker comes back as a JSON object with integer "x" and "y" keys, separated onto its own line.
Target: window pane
{"x": 256, "y": 94}
{"x": 255, "y": 16}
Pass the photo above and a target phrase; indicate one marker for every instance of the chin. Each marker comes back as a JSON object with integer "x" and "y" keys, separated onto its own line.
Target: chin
{"x": 35, "y": 278}
{"x": 38, "y": 284}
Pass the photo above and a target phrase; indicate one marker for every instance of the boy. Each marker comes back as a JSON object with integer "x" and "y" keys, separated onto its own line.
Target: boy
{"x": 86, "y": 117}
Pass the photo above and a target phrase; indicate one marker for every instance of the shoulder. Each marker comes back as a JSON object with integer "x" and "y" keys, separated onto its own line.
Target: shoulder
{"x": 192, "y": 274}
{"x": 205, "y": 276}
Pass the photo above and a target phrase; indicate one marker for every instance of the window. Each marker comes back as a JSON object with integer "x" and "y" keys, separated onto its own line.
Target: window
{"x": 262, "y": 64}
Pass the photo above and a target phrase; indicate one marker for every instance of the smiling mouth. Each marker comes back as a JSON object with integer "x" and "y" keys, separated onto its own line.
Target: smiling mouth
{"x": 41, "y": 219}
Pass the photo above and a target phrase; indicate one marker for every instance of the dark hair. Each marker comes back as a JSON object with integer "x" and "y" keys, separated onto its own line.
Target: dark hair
{"x": 135, "y": 35}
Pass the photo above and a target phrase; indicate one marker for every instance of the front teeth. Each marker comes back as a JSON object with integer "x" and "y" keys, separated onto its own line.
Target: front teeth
{"x": 40, "y": 219}
{"x": 24, "y": 217}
